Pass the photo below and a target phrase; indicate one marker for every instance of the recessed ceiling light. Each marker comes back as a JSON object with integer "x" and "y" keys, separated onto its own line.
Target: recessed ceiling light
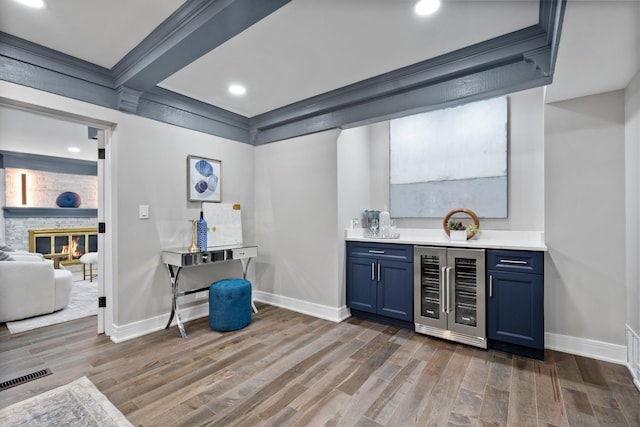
{"x": 74, "y": 149}
{"x": 38, "y": 4}
{"x": 237, "y": 89}
{"x": 427, "y": 7}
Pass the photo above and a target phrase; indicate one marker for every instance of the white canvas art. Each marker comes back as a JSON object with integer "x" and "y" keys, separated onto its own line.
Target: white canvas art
{"x": 224, "y": 224}
{"x": 449, "y": 159}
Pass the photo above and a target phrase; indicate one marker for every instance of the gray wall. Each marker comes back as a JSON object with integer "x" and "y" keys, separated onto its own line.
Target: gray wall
{"x": 296, "y": 218}
{"x": 632, "y": 196}
{"x": 159, "y": 180}
{"x": 585, "y": 218}
{"x": 354, "y": 187}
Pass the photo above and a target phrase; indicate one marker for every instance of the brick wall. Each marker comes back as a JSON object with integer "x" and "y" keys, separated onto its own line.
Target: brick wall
{"x": 44, "y": 187}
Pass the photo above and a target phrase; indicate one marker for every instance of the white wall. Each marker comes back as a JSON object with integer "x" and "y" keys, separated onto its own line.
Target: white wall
{"x": 585, "y": 218}
{"x": 149, "y": 167}
{"x": 297, "y": 222}
{"x": 525, "y": 168}
{"x": 632, "y": 224}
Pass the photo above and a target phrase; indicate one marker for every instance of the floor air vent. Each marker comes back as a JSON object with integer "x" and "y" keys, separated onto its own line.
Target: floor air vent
{"x": 25, "y": 379}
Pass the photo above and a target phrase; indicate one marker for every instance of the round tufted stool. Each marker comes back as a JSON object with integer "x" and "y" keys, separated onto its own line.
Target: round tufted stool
{"x": 229, "y": 304}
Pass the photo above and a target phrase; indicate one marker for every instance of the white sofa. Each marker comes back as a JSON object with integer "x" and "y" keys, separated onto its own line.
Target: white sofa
{"x": 30, "y": 286}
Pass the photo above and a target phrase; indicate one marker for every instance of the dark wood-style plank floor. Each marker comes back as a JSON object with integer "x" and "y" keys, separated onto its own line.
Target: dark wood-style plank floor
{"x": 288, "y": 369}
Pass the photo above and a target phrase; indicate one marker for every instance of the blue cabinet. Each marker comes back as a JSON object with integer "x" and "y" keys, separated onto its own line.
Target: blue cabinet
{"x": 515, "y": 302}
{"x": 380, "y": 280}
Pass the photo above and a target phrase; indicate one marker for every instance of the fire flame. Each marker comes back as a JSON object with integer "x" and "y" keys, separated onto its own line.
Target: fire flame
{"x": 73, "y": 252}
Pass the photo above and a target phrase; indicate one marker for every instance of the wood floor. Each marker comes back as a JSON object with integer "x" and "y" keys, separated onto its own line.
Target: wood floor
{"x": 288, "y": 369}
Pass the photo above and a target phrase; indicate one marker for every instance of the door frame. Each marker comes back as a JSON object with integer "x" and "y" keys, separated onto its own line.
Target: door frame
{"x": 106, "y": 132}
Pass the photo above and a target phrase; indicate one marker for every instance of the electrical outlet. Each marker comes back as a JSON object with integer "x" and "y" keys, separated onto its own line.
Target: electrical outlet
{"x": 202, "y": 295}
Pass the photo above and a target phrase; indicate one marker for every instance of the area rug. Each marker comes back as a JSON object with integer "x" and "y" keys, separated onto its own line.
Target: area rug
{"x": 78, "y": 403}
{"x": 84, "y": 302}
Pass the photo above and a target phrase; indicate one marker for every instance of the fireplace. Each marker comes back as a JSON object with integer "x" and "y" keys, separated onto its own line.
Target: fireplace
{"x": 71, "y": 243}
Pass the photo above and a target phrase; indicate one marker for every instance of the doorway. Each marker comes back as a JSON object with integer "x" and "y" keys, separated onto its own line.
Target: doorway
{"x": 46, "y": 129}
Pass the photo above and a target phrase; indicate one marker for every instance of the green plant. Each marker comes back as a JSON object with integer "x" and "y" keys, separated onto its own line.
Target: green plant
{"x": 455, "y": 225}
{"x": 472, "y": 228}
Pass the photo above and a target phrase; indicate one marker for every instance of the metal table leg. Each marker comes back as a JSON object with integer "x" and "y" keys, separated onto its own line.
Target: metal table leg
{"x": 175, "y": 308}
{"x": 245, "y": 267}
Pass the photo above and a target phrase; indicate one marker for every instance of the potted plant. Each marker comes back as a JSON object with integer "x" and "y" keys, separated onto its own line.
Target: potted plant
{"x": 458, "y": 231}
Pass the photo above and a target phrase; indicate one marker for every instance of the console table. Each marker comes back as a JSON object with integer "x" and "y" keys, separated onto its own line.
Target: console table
{"x": 176, "y": 259}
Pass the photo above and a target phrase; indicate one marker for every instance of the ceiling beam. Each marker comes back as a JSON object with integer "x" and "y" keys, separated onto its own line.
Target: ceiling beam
{"x": 195, "y": 29}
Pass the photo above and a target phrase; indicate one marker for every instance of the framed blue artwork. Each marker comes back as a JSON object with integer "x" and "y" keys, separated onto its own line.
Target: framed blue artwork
{"x": 204, "y": 179}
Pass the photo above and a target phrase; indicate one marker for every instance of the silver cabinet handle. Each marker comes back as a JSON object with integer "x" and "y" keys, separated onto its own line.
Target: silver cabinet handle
{"x": 512, "y": 261}
{"x": 378, "y": 272}
{"x": 443, "y": 292}
{"x": 448, "y": 288}
{"x": 490, "y": 285}
{"x": 373, "y": 277}
{"x": 371, "y": 251}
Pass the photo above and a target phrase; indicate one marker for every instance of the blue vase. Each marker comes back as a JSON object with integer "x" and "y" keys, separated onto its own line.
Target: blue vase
{"x": 201, "y": 232}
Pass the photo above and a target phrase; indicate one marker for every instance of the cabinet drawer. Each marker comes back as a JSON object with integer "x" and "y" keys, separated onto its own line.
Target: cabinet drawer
{"x": 389, "y": 251}
{"x": 516, "y": 261}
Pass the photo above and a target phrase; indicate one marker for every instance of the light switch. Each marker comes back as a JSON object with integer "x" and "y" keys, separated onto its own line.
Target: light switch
{"x": 143, "y": 212}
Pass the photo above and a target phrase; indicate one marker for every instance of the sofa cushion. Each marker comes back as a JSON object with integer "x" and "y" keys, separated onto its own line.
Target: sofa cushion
{"x": 4, "y": 256}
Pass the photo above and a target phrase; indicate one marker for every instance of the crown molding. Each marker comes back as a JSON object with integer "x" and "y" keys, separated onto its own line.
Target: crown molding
{"x": 43, "y": 57}
{"x": 491, "y": 54}
{"x": 483, "y": 84}
{"x": 170, "y": 107}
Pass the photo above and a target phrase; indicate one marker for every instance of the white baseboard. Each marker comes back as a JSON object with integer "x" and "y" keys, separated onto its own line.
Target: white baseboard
{"x": 332, "y": 314}
{"x": 143, "y": 327}
{"x": 585, "y": 347}
{"x": 633, "y": 355}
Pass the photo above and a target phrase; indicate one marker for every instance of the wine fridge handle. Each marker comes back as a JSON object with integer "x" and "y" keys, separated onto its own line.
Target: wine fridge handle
{"x": 449, "y": 289}
{"x": 443, "y": 300}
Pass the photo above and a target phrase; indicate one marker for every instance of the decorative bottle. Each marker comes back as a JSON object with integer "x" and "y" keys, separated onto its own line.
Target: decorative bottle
{"x": 384, "y": 222}
{"x": 202, "y": 233}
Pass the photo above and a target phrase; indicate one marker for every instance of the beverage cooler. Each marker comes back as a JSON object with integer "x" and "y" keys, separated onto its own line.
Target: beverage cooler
{"x": 449, "y": 294}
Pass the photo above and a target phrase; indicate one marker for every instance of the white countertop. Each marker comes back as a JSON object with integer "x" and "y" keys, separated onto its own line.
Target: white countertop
{"x": 490, "y": 239}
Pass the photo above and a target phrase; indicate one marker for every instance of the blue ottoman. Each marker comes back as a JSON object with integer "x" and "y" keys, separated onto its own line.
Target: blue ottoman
{"x": 229, "y": 304}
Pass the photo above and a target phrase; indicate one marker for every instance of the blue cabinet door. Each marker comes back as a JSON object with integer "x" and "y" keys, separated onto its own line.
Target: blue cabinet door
{"x": 361, "y": 284}
{"x": 515, "y": 307}
{"x": 395, "y": 290}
